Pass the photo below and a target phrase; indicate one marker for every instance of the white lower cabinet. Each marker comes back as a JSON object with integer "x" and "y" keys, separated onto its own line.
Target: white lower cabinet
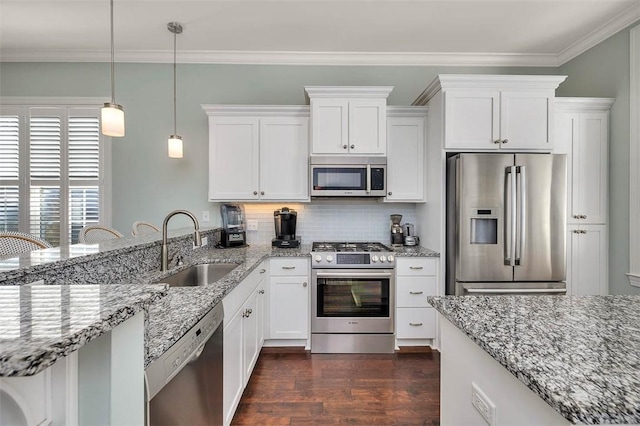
{"x": 243, "y": 335}
{"x": 587, "y": 254}
{"x": 289, "y": 290}
{"x": 416, "y": 279}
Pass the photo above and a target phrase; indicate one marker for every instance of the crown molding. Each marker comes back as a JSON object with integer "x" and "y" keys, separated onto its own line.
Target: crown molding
{"x": 407, "y": 111}
{"x": 348, "y": 91}
{"x": 256, "y": 110}
{"x": 288, "y": 58}
{"x": 570, "y": 104}
{"x": 619, "y": 22}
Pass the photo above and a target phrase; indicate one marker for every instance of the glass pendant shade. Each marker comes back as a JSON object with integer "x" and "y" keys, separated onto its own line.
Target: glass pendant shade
{"x": 112, "y": 117}
{"x": 175, "y": 146}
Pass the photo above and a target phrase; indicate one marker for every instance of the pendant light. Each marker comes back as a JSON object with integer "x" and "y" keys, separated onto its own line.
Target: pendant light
{"x": 175, "y": 141}
{"x": 112, "y": 116}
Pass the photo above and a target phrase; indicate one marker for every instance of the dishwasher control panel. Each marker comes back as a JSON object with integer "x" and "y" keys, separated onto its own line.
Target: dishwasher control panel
{"x": 187, "y": 348}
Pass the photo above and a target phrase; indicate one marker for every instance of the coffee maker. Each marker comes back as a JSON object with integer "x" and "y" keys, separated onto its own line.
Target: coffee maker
{"x": 397, "y": 236}
{"x": 233, "y": 226}
{"x": 285, "y": 224}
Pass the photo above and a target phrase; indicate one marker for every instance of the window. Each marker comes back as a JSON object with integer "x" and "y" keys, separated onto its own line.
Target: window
{"x": 52, "y": 170}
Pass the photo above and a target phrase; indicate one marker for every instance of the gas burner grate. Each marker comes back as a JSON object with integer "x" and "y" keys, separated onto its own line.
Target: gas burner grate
{"x": 350, "y": 247}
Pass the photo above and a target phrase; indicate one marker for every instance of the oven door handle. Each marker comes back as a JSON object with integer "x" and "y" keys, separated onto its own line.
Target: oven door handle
{"x": 354, "y": 274}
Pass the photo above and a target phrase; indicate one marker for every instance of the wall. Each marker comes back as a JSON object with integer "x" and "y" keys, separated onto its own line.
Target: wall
{"x": 603, "y": 71}
{"x": 146, "y": 183}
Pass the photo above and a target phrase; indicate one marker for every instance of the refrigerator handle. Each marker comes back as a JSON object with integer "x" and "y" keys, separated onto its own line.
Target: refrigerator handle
{"x": 510, "y": 216}
{"x": 522, "y": 215}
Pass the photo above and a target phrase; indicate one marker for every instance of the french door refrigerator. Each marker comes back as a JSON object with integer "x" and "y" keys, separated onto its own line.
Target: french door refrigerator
{"x": 506, "y": 224}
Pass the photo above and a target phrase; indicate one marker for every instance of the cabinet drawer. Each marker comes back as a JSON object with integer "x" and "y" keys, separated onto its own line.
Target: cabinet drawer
{"x": 415, "y": 323}
{"x": 289, "y": 266}
{"x": 415, "y": 266}
{"x": 412, "y": 292}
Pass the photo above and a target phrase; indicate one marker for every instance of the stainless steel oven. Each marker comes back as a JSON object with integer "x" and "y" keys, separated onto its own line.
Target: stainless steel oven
{"x": 352, "y": 301}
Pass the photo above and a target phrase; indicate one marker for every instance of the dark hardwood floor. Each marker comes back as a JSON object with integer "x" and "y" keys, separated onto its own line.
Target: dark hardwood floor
{"x": 299, "y": 388}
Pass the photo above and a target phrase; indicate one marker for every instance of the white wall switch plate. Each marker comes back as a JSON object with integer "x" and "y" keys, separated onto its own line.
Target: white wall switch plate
{"x": 252, "y": 225}
{"x": 205, "y": 216}
{"x": 483, "y": 404}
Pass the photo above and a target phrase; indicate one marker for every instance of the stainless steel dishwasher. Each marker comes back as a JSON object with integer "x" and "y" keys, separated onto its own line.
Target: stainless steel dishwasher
{"x": 184, "y": 385}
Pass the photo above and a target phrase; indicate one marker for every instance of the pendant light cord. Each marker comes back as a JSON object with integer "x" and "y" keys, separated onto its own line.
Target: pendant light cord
{"x": 113, "y": 80}
{"x": 175, "y": 115}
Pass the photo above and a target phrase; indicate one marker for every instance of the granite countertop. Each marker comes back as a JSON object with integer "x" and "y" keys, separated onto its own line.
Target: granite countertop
{"x": 415, "y": 251}
{"x": 578, "y": 353}
{"x": 41, "y": 323}
{"x": 173, "y": 316}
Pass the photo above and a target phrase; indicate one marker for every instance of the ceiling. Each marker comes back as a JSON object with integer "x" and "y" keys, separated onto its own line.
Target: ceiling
{"x": 364, "y": 32}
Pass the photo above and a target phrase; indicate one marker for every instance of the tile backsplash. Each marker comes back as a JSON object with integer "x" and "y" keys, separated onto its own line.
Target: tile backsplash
{"x": 332, "y": 220}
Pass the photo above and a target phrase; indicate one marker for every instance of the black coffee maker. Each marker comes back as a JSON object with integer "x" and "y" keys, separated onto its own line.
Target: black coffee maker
{"x": 285, "y": 224}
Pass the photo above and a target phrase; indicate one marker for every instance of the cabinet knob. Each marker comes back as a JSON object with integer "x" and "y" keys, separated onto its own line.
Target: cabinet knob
{"x": 582, "y": 231}
{"x": 261, "y": 292}
{"x": 576, "y": 216}
{"x": 584, "y": 216}
{"x": 505, "y": 141}
{"x": 497, "y": 141}
{"x": 304, "y": 284}
{"x": 390, "y": 193}
{"x": 261, "y": 192}
{"x": 255, "y": 192}
{"x": 344, "y": 147}
{"x": 353, "y": 146}
{"x": 262, "y": 271}
{"x": 576, "y": 231}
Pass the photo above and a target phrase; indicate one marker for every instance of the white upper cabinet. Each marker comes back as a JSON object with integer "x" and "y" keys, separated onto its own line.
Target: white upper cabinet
{"x": 258, "y": 153}
{"x": 496, "y": 112}
{"x": 406, "y": 154}
{"x": 348, "y": 120}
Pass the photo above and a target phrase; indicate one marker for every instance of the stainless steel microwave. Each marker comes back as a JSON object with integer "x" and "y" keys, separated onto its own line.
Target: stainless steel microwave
{"x": 348, "y": 176}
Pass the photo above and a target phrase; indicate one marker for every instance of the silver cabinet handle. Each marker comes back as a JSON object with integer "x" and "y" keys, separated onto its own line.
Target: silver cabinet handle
{"x": 352, "y": 146}
{"x": 255, "y": 192}
{"x": 344, "y": 147}
{"x": 261, "y": 292}
{"x": 390, "y": 193}
{"x": 583, "y": 216}
{"x": 582, "y": 231}
{"x": 497, "y": 141}
{"x": 505, "y": 141}
{"x": 262, "y": 271}
{"x": 304, "y": 284}
{"x": 288, "y": 267}
{"x": 261, "y": 192}
{"x": 416, "y": 292}
{"x": 576, "y": 231}
{"x": 415, "y": 324}
{"x": 415, "y": 267}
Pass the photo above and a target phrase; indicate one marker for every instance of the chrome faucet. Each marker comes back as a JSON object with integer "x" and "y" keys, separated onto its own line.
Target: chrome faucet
{"x": 197, "y": 240}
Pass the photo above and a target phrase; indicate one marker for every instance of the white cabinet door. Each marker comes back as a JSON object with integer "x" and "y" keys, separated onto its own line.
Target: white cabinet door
{"x": 587, "y": 251}
{"x": 367, "y": 126}
{"x": 405, "y": 159}
{"x": 250, "y": 334}
{"x": 289, "y": 307}
{"x": 233, "y": 158}
{"x": 329, "y": 126}
{"x": 233, "y": 373}
{"x": 472, "y": 119}
{"x": 526, "y": 120}
{"x": 589, "y": 174}
{"x": 284, "y": 158}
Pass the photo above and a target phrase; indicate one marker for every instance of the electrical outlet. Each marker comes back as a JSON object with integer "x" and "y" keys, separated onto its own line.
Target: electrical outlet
{"x": 483, "y": 404}
{"x": 205, "y": 242}
{"x": 205, "y": 216}
{"x": 252, "y": 225}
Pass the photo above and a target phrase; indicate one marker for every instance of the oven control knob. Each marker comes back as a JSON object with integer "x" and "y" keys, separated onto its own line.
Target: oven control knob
{"x": 390, "y": 258}
{"x": 318, "y": 258}
{"x": 374, "y": 258}
{"x": 383, "y": 259}
{"x": 329, "y": 258}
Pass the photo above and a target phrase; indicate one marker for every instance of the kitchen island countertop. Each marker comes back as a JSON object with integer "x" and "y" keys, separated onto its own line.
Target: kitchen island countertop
{"x": 578, "y": 353}
{"x": 40, "y": 324}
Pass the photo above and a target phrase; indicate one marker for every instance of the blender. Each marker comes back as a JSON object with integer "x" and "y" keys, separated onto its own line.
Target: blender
{"x": 397, "y": 236}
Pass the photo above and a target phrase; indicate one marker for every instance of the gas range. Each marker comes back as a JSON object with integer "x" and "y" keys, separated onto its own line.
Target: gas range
{"x": 352, "y": 255}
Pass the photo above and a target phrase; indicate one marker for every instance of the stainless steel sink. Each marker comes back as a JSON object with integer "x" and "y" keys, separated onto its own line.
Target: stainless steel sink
{"x": 197, "y": 275}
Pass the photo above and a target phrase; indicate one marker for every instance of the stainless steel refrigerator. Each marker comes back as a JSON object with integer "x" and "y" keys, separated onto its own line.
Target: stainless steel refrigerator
{"x": 506, "y": 224}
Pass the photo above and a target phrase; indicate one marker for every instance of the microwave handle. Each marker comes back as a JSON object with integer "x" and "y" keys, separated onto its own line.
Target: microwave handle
{"x": 368, "y": 179}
